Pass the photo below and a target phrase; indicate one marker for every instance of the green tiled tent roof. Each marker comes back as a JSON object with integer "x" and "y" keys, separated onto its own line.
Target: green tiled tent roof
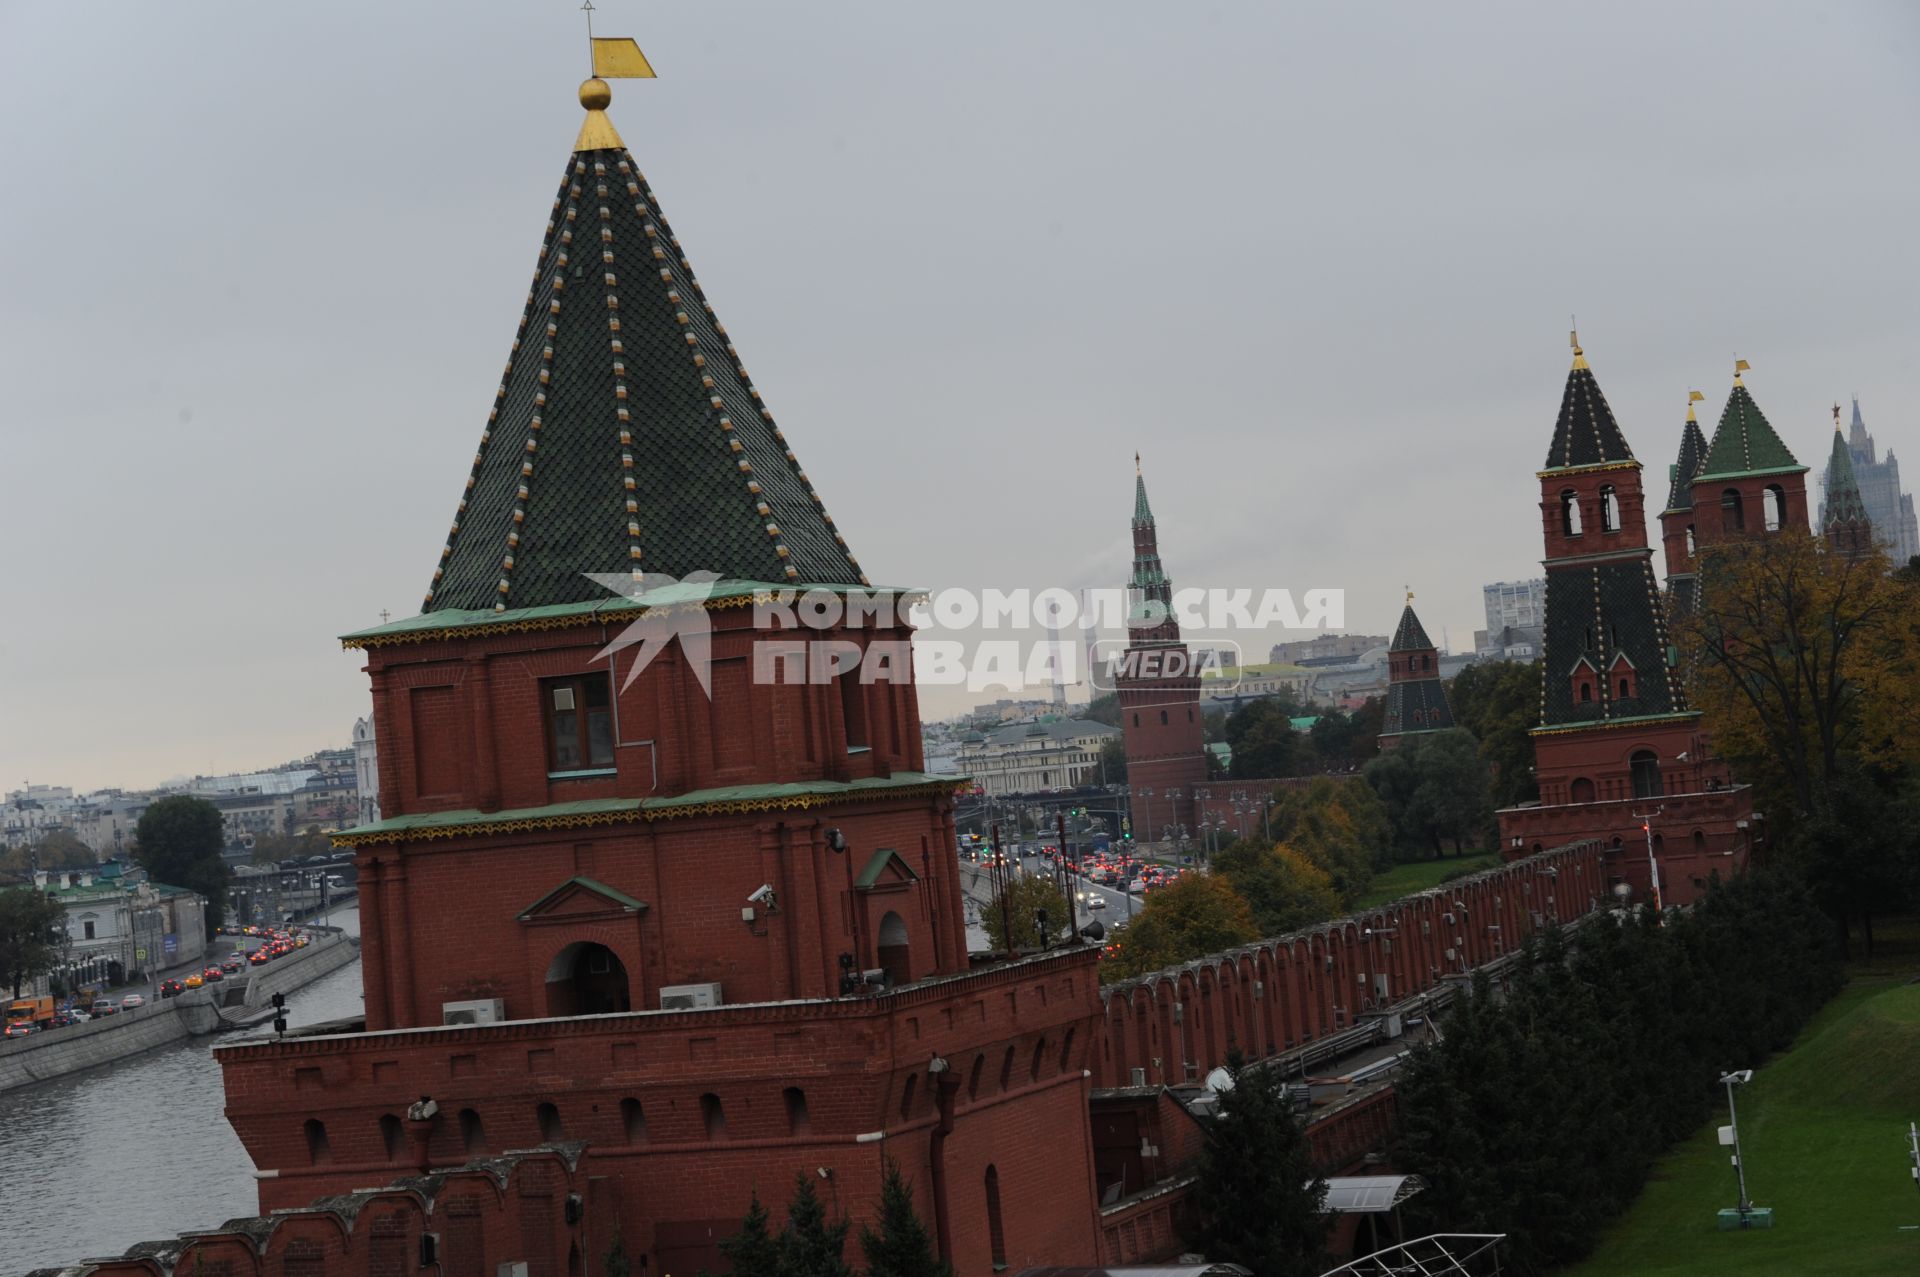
{"x": 1598, "y": 612}
{"x": 1743, "y": 442}
{"x": 625, "y": 435}
{"x": 1142, "y": 512}
{"x": 1843, "y": 503}
{"x": 1693, "y": 448}
{"x": 1410, "y": 635}
{"x": 1417, "y": 706}
{"x": 1586, "y": 433}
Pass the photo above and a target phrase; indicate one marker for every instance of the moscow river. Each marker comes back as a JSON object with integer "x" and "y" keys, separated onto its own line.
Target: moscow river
{"x": 136, "y": 1151}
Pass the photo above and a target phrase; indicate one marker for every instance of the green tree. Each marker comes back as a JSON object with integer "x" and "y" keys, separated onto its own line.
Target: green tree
{"x": 753, "y": 1251}
{"x": 1499, "y": 702}
{"x": 1285, "y": 890}
{"x": 1196, "y": 914}
{"x": 29, "y": 935}
{"x": 1434, "y": 788}
{"x": 1259, "y": 1195}
{"x": 178, "y": 842}
{"x": 1339, "y": 825}
{"x": 1021, "y": 902}
{"x": 616, "y": 1262}
{"x": 1113, "y": 761}
{"x": 902, "y": 1246}
{"x": 1368, "y": 719}
{"x": 810, "y": 1246}
{"x": 1264, "y": 743}
{"x": 1104, "y": 708}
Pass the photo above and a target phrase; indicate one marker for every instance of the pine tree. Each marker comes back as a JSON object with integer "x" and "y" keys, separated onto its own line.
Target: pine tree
{"x": 753, "y": 1251}
{"x": 1259, "y": 1196}
{"x": 902, "y": 1247}
{"x": 811, "y": 1247}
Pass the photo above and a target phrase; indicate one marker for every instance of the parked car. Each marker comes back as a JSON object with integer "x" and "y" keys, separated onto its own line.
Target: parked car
{"x": 131, "y": 1001}
{"x": 171, "y": 988}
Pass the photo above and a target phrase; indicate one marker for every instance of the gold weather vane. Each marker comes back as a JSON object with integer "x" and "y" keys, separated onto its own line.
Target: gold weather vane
{"x": 1573, "y": 339}
{"x": 1693, "y": 397}
{"x": 613, "y": 58}
{"x": 1409, "y": 589}
{"x": 1739, "y": 366}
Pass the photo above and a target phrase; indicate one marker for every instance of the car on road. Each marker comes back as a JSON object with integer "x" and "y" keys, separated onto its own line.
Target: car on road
{"x": 20, "y": 1029}
{"x": 1096, "y": 902}
{"x": 171, "y": 988}
{"x": 131, "y": 1001}
{"x": 233, "y": 964}
{"x": 213, "y": 974}
{"x": 103, "y": 1006}
{"x": 193, "y": 981}
{"x": 260, "y": 957}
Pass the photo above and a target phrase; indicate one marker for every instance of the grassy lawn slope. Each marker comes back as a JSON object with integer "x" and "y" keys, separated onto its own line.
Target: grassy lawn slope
{"x": 1824, "y": 1130}
{"x": 1405, "y": 880}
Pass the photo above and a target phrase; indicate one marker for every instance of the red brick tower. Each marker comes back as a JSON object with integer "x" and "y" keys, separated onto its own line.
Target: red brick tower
{"x": 1416, "y": 701}
{"x": 1159, "y": 691}
{"x": 1677, "y": 531}
{"x": 1848, "y": 529}
{"x": 689, "y": 904}
{"x": 1618, "y": 754}
{"x": 1749, "y": 485}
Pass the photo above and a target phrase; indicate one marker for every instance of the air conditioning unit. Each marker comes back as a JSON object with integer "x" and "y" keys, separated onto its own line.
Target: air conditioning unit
{"x": 483, "y": 1011}
{"x": 689, "y": 997}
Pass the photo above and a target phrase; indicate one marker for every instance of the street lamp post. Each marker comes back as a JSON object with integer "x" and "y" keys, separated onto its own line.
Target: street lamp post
{"x": 1732, "y": 1136}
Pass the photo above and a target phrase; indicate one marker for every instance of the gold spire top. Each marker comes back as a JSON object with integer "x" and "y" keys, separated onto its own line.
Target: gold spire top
{"x": 1579, "y": 355}
{"x": 1693, "y": 397}
{"x": 1409, "y": 596}
{"x": 1739, "y": 366}
{"x": 614, "y": 58}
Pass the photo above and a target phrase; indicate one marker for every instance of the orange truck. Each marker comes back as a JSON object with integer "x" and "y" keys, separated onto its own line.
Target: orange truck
{"x": 34, "y": 1011}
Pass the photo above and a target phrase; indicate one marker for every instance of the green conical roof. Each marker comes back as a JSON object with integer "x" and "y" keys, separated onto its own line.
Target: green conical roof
{"x": 625, "y": 434}
{"x": 1843, "y": 504}
{"x": 1743, "y": 442}
{"x": 1410, "y": 634}
{"x": 1585, "y": 433}
{"x": 1142, "y": 512}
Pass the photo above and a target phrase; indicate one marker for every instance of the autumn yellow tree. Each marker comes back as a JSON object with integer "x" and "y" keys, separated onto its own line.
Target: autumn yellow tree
{"x": 1196, "y": 914}
{"x": 1803, "y": 661}
{"x": 1283, "y": 887}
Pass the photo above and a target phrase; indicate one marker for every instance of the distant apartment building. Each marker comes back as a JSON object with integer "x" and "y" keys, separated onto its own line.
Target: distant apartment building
{"x": 106, "y": 821}
{"x": 33, "y": 810}
{"x": 1516, "y": 612}
{"x": 1228, "y": 688}
{"x": 1888, "y": 508}
{"x": 1024, "y": 758}
{"x": 1325, "y": 649}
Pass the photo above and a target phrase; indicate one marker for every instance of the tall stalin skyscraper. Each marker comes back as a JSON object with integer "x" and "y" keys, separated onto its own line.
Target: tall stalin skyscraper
{"x": 716, "y": 937}
{"x": 1619, "y": 756}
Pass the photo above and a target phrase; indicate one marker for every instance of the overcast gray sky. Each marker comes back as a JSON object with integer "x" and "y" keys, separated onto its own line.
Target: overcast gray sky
{"x": 260, "y": 265}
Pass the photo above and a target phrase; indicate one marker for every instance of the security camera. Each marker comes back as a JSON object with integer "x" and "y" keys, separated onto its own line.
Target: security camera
{"x": 763, "y": 895}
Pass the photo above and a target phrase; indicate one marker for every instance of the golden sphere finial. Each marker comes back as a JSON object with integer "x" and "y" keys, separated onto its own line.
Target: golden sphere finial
{"x": 595, "y": 95}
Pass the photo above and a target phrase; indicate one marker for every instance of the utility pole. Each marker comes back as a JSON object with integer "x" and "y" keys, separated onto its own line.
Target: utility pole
{"x": 1073, "y": 908}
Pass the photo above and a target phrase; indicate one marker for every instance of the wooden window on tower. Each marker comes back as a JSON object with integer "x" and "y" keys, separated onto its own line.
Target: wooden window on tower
{"x": 579, "y": 714}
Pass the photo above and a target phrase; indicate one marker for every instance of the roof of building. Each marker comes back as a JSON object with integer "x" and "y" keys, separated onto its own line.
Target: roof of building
{"x": 1843, "y": 503}
{"x": 1053, "y": 730}
{"x": 625, "y": 436}
{"x": 1586, "y": 433}
{"x": 1416, "y": 705}
{"x": 1142, "y": 512}
{"x": 1744, "y": 443}
{"x": 1693, "y": 450}
{"x": 1410, "y": 635}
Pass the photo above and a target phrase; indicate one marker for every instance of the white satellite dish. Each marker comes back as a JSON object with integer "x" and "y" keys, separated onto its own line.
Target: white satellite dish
{"x": 1219, "y": 1080}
